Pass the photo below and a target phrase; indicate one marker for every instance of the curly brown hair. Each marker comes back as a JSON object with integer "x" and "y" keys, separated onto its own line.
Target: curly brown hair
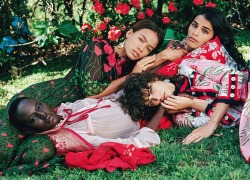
{"x": 133, "y": 100}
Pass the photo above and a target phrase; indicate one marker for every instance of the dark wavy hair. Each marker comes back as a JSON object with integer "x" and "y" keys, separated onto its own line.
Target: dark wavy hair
{"x": 133, "y": 101}
{"x": 13, "y": 116}
{"x": 224, "y": 32}
{"x": 144, "y": 24}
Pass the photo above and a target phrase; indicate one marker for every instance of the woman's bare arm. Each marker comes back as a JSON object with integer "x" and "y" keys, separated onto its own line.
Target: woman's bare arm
{"x": 155, "y": 120}
{"x": 178, "y": 103}
{"x": 208, "y": 129}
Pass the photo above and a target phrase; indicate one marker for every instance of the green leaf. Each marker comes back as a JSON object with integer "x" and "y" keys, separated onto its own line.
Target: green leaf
{"x": 54, "y": 39}
{"x": 42, "y": 40}
{"x": 66, "y": 28}
{"x": 50, "y": 30}
{"x": 40, "y": 25}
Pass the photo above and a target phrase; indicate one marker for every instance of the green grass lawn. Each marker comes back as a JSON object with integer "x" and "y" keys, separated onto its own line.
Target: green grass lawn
{"x": 217, "y": 157}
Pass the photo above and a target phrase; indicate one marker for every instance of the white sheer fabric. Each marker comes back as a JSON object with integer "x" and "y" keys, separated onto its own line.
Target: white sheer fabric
{"x": 108, "y": 123}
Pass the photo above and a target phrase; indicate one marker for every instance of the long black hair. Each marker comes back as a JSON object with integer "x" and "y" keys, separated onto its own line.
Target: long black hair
{"x": 224, "y": 32}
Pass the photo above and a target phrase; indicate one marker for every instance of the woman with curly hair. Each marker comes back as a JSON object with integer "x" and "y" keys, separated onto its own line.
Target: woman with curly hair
{"x": 210, "y": 82}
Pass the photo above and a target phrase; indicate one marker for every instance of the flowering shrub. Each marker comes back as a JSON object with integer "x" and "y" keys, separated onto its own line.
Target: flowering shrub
{"x": 107, "y": 18}
{"x": 112, "y": 19}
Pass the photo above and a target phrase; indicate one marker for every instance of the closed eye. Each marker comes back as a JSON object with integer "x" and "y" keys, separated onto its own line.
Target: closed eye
{"x": 150, "y": 103}
{"x": 149, "y": 50}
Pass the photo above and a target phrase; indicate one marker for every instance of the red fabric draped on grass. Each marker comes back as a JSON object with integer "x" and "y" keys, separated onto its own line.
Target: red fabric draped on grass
{"x": 111, "y": 156}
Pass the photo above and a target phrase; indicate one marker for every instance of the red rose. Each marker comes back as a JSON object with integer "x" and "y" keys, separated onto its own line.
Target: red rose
{"x": 126, "y": 9}
{"x": 102, "y": 26}
{"x": 98, "y": 7}
{"x": 166, "y": 20}
{"x": 149, "y": 12}
{"x": 122, "y": 8}
{"x": 198, "y": 2}
{"x": 210, "y": 4}
{"x": 118, "y": 8}
{"x": 141, "y": 15}
{"x": 114, "y": 33}
{"x": 172, "y": 7}
{"x": 85, "y": 26}
{"x": 136, "y": 4}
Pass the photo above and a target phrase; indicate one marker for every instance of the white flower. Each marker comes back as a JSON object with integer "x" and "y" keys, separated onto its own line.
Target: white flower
{"x": 212, "y": 46}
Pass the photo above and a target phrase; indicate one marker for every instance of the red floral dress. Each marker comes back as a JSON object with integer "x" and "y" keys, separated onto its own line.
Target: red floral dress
{"x": 214, "y": 82}
{"x": 212, "y": 50}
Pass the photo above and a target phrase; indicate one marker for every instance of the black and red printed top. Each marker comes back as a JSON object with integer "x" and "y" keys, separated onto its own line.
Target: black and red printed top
{"x": 98, "y": 65}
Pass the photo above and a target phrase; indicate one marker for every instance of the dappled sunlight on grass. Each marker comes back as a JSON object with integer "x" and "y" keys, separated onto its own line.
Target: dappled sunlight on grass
{"x": 217, "y": 157}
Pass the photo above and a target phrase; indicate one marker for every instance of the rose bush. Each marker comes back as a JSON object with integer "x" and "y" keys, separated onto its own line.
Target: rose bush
{"x": 93, "y": 18}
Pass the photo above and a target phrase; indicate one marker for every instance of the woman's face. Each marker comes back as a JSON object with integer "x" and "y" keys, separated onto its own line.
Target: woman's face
{"x": 37, "y": 115}
{"x": 200, "y": 31}
{"x": 140, "y": 43}
{"x": 158, "y": 91}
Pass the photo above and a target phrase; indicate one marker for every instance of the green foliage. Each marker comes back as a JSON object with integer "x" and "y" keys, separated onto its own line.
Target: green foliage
{"x": 217, "y": 157}
{"x": 55, "y": 22}
{"x": 46, "y": 32}
{"x": 66, "y": 28}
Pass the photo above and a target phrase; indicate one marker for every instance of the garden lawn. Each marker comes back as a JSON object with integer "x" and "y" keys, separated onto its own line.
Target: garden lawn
{"x": 217, "y": 157}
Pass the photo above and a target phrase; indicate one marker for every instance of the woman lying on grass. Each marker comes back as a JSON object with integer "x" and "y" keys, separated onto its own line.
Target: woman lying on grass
{"x": 91, "y": 132}
{"x": 100, "y": 70}
{"x": 81, "y": 125}
{"x": 211, "y": 82}
{"x": 210, "y": 38}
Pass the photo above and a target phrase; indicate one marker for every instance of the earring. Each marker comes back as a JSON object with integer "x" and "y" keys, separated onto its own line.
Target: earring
{"x": 121, "y": 45}
{"x": 166, "y": 80}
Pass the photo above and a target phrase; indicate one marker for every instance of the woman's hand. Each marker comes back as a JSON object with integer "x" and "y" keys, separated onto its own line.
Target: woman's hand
{"x": 144, "y": 64}
{"x": 177, "y": 104}
{"x": 201, "y": 133}
{"x": 208, "y": 129}
{"x": 173, "y": 51}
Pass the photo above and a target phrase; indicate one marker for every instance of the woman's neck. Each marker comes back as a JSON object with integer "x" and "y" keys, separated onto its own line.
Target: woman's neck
{"x": 189, "y": 49}
{"x": 120, "y": 51}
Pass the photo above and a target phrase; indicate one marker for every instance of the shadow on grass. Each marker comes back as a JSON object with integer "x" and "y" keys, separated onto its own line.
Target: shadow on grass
{"x": 56, "y": 65}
